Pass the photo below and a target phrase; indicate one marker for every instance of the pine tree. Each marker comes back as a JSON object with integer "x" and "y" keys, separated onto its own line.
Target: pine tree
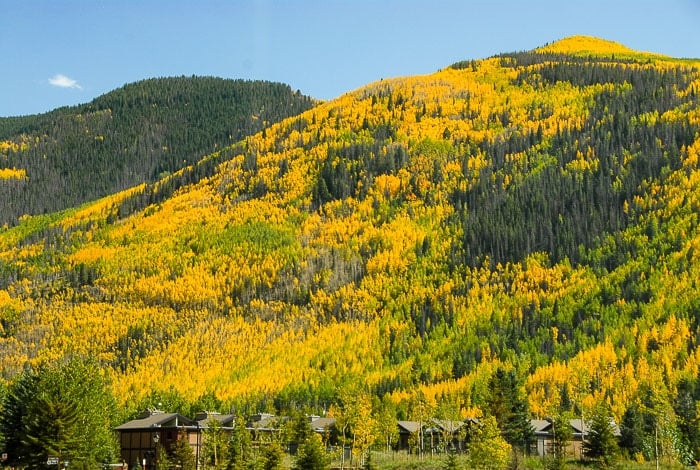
{"x": 507, "y": 404}
{"x": 299, "y": 428}
{"x": 451, "y": 463}
{"x": 272, "y": 456}
{"x": 182, "y": 455}
{"x": 311, "y": 455}
{"x": 632, "y": 431}
{"x": 562, "y": 435}
{"x": 162, "y": 459}
{"x": 685, "y": 407}
{"x": 51, "y": 430}
{"x": 239, "y": 446}
{"x": 601, "y": 445}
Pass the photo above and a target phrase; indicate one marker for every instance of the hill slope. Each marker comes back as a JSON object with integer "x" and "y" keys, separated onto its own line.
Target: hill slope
{"x": 129, "y": 136}
{"x": 535, "y": 211}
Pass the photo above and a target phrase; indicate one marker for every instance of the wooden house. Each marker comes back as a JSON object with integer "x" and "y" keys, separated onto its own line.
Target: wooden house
{"x": 140, "y": 439}
{"x": 544, "y": 436}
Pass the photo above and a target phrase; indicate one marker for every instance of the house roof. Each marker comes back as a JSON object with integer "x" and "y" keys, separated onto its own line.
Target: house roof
{"x": 264, "y": 422}
{"x": 205, "y": 418}
{"x": 544, "y": 426}
{"x": 157, "y": 419}
{"x": 322, "y": 424}
{"x": 434, "y": 425}
{"x": 413, "y": 426}
{"x": 447, "y": 425}
{"x": 540, "y": 425}
{"x": 408, "y": 426}
{"x": 577, "y": 425}
{"x": 578, "y": 428}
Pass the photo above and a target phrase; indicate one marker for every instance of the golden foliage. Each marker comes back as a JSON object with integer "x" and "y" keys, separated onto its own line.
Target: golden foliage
{"x": 246, "y": 285}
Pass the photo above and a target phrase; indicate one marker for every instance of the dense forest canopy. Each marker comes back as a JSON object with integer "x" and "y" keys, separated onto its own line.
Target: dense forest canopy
{"x": 533, "y": 213}
{"x": 132, "y": 135}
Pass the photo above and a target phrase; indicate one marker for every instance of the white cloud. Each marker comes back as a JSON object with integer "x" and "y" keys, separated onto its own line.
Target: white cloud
{"x": 62, "y": 81}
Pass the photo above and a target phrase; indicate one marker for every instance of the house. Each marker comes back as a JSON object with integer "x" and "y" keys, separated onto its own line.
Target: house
{"x": 544, "y": 436}
{"x": 140, "y": 438}
{"x": 450, "y": 433}
{"x": 325, "y": 427}
{"x": 421, "y": 436}
{"x": 436, "y": 434}
{"x": 542, "y": 429}
{"x": 408, "y": 435}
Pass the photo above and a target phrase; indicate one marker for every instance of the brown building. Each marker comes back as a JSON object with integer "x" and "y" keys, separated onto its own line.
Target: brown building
{"x": 434, "y": 435}
{"x": 140, "y": 439}
{"x": 544, "y": 436}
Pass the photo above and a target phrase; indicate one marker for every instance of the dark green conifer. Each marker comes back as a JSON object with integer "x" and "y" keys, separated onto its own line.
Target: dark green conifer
{"x": 311, "y": 455}
{"x": 507, "y": 404}
{"x": 601, "y": 445}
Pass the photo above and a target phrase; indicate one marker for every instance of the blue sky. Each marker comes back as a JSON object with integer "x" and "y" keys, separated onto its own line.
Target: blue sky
{"x": 65, "y": 52}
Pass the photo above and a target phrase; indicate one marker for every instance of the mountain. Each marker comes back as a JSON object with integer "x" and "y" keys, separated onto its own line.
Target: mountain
{"x": 129, "y": 136}
{"x": 534, "y": 211}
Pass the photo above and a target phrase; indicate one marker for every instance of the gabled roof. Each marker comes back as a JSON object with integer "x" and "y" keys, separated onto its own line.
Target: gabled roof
{"x": 577, "y": 425}
{"x": 157, "y": 419}
{"x": 447, "y": 425}
{"x": 408, "y": 426}
{"x": 435, "y": 425}
{"x": 205, "y": 418}
{"x": 264, "y": 422}
{"x": 541, "y": 425}
{"x": 544, "y": 427}
{"x": 322, "y": 424}
{"x": 578, "y": 428}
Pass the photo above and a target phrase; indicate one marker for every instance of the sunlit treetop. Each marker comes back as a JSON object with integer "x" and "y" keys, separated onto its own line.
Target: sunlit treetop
{"x": 589, "y": 45}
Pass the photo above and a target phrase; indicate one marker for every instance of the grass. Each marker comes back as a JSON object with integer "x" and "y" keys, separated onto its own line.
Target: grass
{"x": 404, "y": 461}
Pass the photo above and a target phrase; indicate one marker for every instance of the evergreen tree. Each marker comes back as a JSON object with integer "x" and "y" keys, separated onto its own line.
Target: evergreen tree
{"x": 632, "y": 431}
{"x": 562, "y": 435}
{"x": 240, "y": 446}
{"x": 601, "y": 445}
{"x": 272, "y": 456}
{"x": 298, "y": 428}
{"x": 509, "y": 407}
{"x": 685, "y": 407}
{"x": 311, "y": 455}
{"x": 162, "y": 459}
{"x": 16, "y": 405}
{"x": 451, "y": 463}
{"x": 51, "y": 429}
{"x": 65, "y": 410}
{"x": 182, "y": 454}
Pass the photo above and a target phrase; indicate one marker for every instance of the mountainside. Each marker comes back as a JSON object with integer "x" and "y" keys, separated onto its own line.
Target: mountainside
{"x": 536, "y": 211}
{"x": 129, "y": 136}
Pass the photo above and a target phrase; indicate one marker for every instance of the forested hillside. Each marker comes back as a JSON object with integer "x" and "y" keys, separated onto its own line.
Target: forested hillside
{"x": 132, "y": 135}
{"x": 534, "y": 212}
